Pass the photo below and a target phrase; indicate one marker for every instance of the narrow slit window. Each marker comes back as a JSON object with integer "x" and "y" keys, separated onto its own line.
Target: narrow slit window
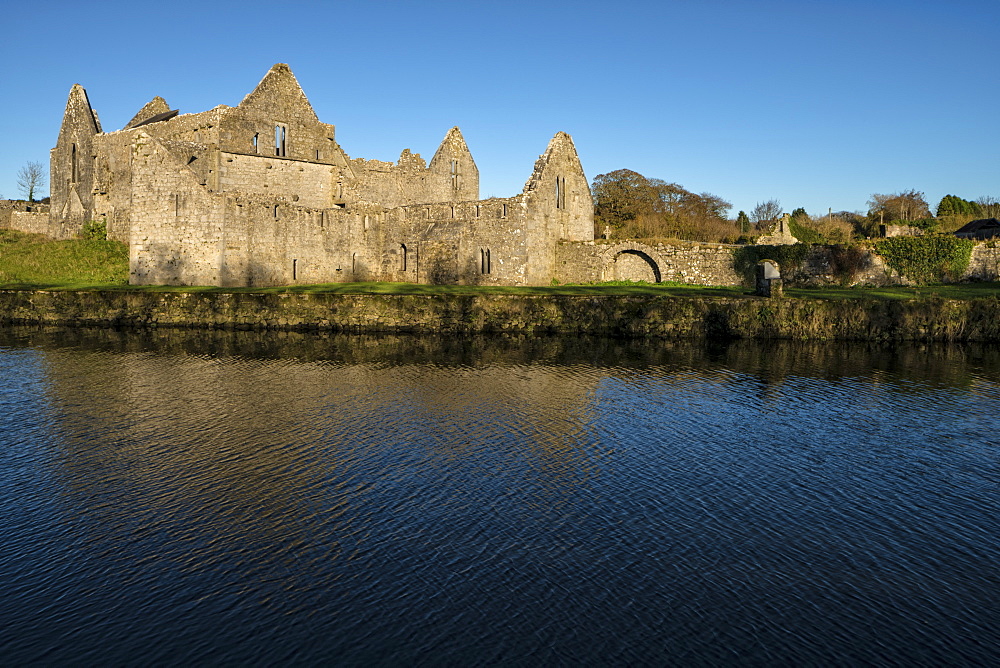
{"x": 455, "y": 176}
{"x": 255, "y": 142}
{"x": 477, "y": 211}
{"x": 503, "y": 210}
{"x": 317, "y": 154}
{"x": 280, "y": 140}
{"x": 452, "y": 212}
{"x": 72, "y": 171}
{"x": 295, "y": 270}
{"x": 275, "y": 211}
{"x": 402, "y": 257}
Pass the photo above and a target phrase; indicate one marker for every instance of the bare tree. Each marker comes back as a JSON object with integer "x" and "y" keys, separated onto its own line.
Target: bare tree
{"x": 31, "y": 179}
{"x": 766, "y": 212}
{"x": 906, "y": 205}
{"x": 989, "y": 206}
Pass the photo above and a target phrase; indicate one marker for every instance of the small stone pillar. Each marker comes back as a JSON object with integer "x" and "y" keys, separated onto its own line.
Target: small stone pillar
{"x": 768, "y": 279}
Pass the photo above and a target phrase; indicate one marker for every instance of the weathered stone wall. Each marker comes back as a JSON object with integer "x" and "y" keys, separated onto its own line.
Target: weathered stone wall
{"x": 985, "y": 262}
{"x": 177, "y": 232}
{"x": 620, "y": 316}
{"x": 112, "y": 184}
{"x": 696, "y": 264}
{"x": 71, "y": 165}
{"x": 24, "y": 216}
{"x": 307, "y": 184}
{"x": 261, "y": 194}
{"x": 34, "y": 222}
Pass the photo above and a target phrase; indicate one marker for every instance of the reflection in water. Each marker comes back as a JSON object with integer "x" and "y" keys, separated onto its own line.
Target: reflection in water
{"x": 236, "y": 496}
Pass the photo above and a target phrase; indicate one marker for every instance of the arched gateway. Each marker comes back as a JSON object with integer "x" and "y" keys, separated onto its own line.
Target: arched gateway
{"x": 632, "y": 261}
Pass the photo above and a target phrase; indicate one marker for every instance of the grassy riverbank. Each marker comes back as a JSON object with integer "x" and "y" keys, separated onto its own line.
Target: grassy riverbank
{"x": 35, "y": 262}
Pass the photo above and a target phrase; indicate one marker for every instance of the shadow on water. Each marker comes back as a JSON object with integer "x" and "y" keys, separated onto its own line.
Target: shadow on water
{"x": 935, "y": 363}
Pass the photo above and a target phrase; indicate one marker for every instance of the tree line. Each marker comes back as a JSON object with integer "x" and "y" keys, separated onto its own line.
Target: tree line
{"x": 630, "y": 205}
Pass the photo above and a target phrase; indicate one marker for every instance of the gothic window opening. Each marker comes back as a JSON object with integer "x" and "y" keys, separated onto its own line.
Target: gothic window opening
{"x": 402, "y": 257}
{"x": 484, "y": 261}
{"x": 455, "y": 176}
{"x": 280, "y": 140}
{"x": 560, "y": 192}
{"x": 72, "y": 168}
{"x": 254, "y": 141}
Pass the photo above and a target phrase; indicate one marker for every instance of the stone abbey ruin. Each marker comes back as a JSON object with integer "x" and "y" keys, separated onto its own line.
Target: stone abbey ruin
{"x": 262, "y": 194}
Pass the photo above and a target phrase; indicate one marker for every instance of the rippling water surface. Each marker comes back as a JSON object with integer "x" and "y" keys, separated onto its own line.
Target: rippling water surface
{"x": 240, "y": 498}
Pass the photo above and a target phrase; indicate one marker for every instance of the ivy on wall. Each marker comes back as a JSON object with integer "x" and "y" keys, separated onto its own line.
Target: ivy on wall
{"x": 788, "y": 257}
{"x": 927, "y": 259}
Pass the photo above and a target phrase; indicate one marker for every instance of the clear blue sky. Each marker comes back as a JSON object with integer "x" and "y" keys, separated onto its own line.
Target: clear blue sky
{"x": 817, "y": 104}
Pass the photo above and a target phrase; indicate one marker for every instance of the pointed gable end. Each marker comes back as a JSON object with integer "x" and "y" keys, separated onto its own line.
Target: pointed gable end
{"x": 154, "y": 107}
{"x": 279, "y": 93}
{"x": 560, "y": 154}
{"x": 454, "y": 159}
{"x": 79, "y": 115}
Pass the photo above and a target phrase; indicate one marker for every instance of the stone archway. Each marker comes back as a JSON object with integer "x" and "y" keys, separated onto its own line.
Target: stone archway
{"x": 632, "y": 262}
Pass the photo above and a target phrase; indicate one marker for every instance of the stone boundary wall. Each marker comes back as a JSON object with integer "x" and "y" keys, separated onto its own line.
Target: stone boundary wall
{"x": 712, "y": 264}
{"x": 24, "y": 216}
{"x": 33, "y": 222}
{"x": 655, "y": 317}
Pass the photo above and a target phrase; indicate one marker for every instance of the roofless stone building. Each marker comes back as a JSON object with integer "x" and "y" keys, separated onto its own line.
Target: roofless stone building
{"x": 262, "y": 194}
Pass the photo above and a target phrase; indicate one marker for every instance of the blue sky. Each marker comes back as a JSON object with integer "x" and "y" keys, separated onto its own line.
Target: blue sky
{"x": 816, "y": 104}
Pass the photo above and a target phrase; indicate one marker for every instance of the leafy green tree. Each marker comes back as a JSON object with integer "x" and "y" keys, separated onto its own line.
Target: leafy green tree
{"x": 641, "y": 207}
{"x": 621, "y": 196}
{"x": 743, "y": 222}
{"x": 950, "y": 205}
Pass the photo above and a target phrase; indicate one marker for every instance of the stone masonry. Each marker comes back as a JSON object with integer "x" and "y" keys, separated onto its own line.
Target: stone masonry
{"x": 262, "y": 194}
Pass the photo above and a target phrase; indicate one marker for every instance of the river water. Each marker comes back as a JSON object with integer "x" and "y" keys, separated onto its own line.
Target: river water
{"x": 271, "y": 499}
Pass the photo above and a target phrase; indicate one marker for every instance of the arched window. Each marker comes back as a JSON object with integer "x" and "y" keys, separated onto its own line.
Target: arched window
{"x": 484, "y": 261}
{"x": 402, "y": 257}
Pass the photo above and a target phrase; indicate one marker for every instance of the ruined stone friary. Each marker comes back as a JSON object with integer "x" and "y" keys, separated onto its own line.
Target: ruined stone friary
{"x": 262, "y": 194}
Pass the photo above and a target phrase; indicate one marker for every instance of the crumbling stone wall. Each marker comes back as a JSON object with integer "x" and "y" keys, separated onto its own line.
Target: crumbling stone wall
{"x": 71, "y": 165}
{"x": 694, "y": 263}
{"x": 24, "y": 216}
{"x": 262, "y": 194}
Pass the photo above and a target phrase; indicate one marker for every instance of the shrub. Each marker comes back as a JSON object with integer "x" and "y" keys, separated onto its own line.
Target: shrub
{"x": 788, "y": 257}
{"x": 926, "y": 259}
{"x": 95, "y": 230}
